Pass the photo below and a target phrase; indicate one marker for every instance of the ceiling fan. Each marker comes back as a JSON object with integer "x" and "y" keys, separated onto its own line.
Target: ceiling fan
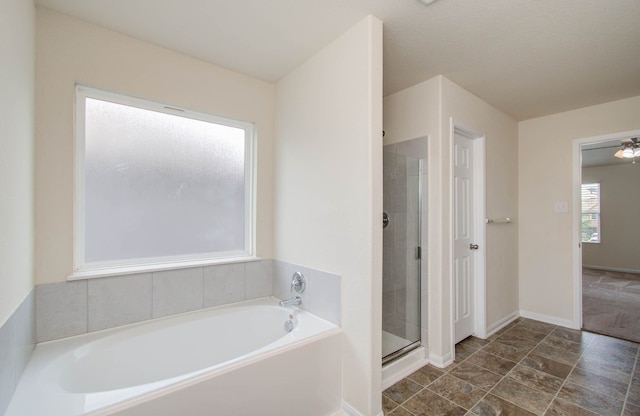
{"x": 630, "y": 149}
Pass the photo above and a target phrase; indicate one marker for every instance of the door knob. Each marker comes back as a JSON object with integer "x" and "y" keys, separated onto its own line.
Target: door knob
{"x": 473, "y": 246}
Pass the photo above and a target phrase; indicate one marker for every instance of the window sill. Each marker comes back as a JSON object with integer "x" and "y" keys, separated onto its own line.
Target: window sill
{"x": 146, "y": 268}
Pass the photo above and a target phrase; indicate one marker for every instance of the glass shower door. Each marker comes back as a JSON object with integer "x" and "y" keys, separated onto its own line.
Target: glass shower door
{"x": 402, "y": 172}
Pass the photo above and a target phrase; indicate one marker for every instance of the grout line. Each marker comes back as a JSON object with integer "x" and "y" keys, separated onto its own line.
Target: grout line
{"x": 414, "y": 394}
{"x": 425, "y": 387}
{"x": 488, "y": 391}
{"x": 502, "y": 376}
{"x": 549, "y": 334}
{"x": 87, "y": 307}
{"x": 633, "y": 373}
{"x": 586, "y": 345}
{"x": 573, "y": 369}
{"x": 518, "y": 363}
{"x": 555, "y": 396}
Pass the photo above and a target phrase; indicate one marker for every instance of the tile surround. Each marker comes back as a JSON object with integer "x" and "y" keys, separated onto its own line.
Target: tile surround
{"x": 224, "y": 284}
{"x": 17, "y": 340}
{"x": 7, "y": 372}
{"x": 61, "y": 310}
{"x": 73, "y": 308}
{"x": 325, "y": 296}
{"x": 282, "y": 272}
{"x": 322, "y": 293}
{"x": 258, "y": 279}
{"x": 177, "y": 291}
{"x": 115, "y": 301}
{"x": 24, "y": 333}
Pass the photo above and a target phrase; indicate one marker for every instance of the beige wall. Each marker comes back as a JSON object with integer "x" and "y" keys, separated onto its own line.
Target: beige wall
{"x": 328, "y": 190}
{"x": 17, "y": 39}
{"x": 426, "y": 110}
{"x": 69, "y": 51}
{"x": 408, "y": 114}
{"x": 620, "y": 210}
{"x": 501, "y": 193}
{"x": 544, "y": 178}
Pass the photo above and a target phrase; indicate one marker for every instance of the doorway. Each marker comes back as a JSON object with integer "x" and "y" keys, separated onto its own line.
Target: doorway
{"x": 468, "y": 233}
{"x": 606, "y": 264}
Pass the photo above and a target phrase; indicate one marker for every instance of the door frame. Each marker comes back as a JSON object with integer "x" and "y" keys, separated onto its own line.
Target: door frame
{"x": 479, "y": 202}
{"x": 577, "y": 208}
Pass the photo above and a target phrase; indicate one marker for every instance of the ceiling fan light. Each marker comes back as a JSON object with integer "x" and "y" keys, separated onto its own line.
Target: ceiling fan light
{"x": 618, "y": 154}
{"x": 628, "y": 152}
{"x": 636, "y": 152}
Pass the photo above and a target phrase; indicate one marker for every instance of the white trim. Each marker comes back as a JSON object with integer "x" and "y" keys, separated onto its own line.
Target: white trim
{"x": 349, "y": 410}
{"x": 576, "y": 226}
{"x": 495, "y": 327}
{"x": 441, "y": 361}
{"x": 82, "y": 269}
{"x": 479, "y": 201}
{"x": 576, "y": 229}
{"x": 437, "y": 360}
{"x": 610, "y": 269}
{"x": 548, "y": 319}
{"x": 146, "y": 268}
{"x": 396, "y": 370}
{"x": 78, "y": 192}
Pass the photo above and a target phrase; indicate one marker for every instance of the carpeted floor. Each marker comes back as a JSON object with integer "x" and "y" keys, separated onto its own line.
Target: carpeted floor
{"x": 611, "y": 303}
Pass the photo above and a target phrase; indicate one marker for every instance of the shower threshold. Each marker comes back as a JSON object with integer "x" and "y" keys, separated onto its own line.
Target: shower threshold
{"x": 394, "y": 346}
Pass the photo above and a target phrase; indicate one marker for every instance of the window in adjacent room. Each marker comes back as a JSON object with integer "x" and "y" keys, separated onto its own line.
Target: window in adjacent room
{"x": 157, "y": 185}
{"x": 591, "y": 213}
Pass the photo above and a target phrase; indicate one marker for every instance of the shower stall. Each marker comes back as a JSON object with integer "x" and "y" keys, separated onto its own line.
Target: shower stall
{"x": 404, "y": 222}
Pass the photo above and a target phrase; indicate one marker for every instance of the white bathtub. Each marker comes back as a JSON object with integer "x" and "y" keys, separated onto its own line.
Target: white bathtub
{"x": 233, "y": 360}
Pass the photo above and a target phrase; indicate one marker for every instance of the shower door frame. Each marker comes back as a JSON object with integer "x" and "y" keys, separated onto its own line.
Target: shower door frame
{"x": 420, "y": 253}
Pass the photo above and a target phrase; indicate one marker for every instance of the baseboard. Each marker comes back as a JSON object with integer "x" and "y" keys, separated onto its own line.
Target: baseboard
{"x": 610, "y": 269}
{"x": 400, "y": 368}
{"x": 495, "y": 327}
{"x": 548, "y": 319}
{"x": 348, "y": 410}
{"x": 441, "y": 361}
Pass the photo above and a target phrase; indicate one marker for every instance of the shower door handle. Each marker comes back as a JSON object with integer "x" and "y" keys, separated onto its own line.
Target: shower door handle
{"x": 385, "y": 220}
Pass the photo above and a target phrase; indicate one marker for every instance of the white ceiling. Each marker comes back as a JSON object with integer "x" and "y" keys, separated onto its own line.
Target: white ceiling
{"x": 526, "y": 57}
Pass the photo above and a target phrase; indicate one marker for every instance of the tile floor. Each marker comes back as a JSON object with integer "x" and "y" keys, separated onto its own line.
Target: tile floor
{"x": 527, "y": 368}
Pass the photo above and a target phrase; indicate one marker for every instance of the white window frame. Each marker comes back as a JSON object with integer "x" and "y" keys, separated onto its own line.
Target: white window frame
{"x": 599, "y": 212}
{"x": 84, "y": 270}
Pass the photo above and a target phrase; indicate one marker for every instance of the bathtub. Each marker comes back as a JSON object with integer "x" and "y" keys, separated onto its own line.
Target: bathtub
{"x": 231, "y": 360}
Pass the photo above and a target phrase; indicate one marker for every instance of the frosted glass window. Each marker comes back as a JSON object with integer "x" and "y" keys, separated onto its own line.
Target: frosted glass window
{"x": 160, "y": 185}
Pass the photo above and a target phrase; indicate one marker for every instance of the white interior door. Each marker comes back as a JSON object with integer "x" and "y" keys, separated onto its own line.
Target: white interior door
{"x": 463, "y": 238}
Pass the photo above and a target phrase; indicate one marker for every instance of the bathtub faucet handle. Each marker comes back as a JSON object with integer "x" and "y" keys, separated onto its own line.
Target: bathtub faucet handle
{"x": 298, "y": 282}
